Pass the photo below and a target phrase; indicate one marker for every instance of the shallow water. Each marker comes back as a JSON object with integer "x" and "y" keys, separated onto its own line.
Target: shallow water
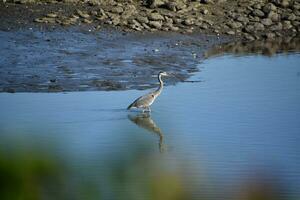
{"x": 237, "y": 127}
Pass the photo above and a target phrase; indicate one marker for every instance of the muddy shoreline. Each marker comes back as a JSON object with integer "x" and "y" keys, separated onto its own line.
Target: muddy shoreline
{"x": 75, "y": 59}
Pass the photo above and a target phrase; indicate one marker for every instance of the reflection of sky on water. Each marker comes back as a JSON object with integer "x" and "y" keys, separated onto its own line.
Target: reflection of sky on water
{"x": 243, "y": 118}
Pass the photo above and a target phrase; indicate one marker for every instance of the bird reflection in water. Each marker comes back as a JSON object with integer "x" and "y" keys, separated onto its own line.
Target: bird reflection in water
{"x": 144, "y": 120}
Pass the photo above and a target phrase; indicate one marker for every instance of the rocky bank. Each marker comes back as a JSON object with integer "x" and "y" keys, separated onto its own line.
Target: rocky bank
{"x": 251, "y": 20}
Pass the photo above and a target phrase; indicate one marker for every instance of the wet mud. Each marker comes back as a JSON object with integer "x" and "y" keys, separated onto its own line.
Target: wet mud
{"x": 75, "y": 59}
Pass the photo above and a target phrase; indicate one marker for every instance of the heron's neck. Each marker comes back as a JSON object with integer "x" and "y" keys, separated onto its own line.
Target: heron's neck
{"x": 161, "y": 84}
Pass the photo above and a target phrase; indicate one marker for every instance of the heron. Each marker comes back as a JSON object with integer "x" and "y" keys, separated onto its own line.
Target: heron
{"x": 147, "y": 100}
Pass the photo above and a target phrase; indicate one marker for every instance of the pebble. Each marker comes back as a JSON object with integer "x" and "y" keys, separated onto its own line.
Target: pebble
{"x": 230, "y": 32}
{"x": 266, "y": 22}
{"x": 156, "y": 17}
{"x": 82, "y": 14}
{"x": 258, "y": 13}
{"x": 155, "y": 24}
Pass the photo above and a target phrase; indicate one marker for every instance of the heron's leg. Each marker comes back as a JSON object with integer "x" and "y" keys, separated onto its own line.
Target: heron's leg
{"x": 149, "y": 110}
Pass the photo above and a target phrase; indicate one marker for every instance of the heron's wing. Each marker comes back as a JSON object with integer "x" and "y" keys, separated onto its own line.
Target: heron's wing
{"x": 143, "y": 101}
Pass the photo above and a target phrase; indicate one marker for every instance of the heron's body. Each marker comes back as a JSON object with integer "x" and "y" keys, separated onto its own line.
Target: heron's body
{"x": 146, "y": 100}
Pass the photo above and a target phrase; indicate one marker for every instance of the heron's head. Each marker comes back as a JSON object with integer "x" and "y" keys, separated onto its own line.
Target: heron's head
{"x": 163, "y": 73}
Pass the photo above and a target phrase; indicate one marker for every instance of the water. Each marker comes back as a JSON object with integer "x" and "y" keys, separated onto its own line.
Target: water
{"x": 238, "y": 128}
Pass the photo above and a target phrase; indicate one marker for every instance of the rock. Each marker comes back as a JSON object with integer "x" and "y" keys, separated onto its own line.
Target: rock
{"x": 292, "y": 17}
{"x": 249, "y": 29}
{"x": 254, "y": 19}
{"x": 296, "y": 6}
{"x": 259, "y": 26}
{"x": 296, "y": 23}
{"x": 277, "y": 27}
{"x": 174, "y": 28}
{"x": 281, "y": 3}
{"x": 203, "y": 26}
{"x": 257, "y": 6}
{"x": 51, "y": 15}
{"x": 234, "y": 25}
{"x": 274, "y": 16}
{"x": 83, "y": 14}
{"x": 270, "y": 35}
{"x": 155, "y": 24}
{"x": 266, "y": 22}
{"x": 287, "y": 24}
{"x": 45, "y": 20}
{"x": 258, "y": 13}
{"x": 243, "y": 19}
{"x": 87, "y": 21}
{"x": 155, "y": 3}
{"x": 204, "y": 11}
{"x": 38, "y": 20}
{"x": 248, "y": 37}
{"x": 115, "y": 20}
{"x": 129, "y": 11}
{"x": 94, "y": 2}
{"x": 117, "y": 10}
{"x": 142, "y": 19}
{"x": 230, "y": 32}
{"x": 269, "y": 7}
{"x": 155, "y": 16}
{"x": 172, "y": 6}
{"x": 188, "y": 22}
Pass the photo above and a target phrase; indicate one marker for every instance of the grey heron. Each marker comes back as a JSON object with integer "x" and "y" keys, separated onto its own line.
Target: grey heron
{"x": 146, "y": 100}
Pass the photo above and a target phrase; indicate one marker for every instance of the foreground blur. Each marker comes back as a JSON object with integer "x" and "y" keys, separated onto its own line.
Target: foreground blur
{"x": 30, "y": 171}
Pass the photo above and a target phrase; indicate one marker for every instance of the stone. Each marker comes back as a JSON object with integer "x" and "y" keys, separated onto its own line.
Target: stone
{"x": 188, "y": 22}
{"x": 94, "y": 2}
{"x": 203, "y": 26}
{"x": 51, "y": 15}
{"x": 276, "y": 27}
{"x": 242, "y": 19}
{"x": 234, "y": 25}
{"x": 281, "y": 3}
{"x": 83, "y": 14}
{"x": 174, "y": 28}
{"x": 248, "y": 37}
{"x": 155, "y": 3}
{"x": 117, "y": 10}
{"x": 269, "y": 7}
{"x": 292, "y": 17}
{"x": 270, "y": 35}
{"x": 259, "y": 26}
{"x": 87, "y": 21}
{"x": 258, "y": 13}
{"x": 142, "y": 19}
{"x": 172, "y": 6}
{"x": 266, "y": 22}
{"x": 249, "y": 29}
{"x": 115, "y": 21}
{"x": 274, "y": 16}
{"x": 129, "y": 11}
{"x": 155, "y": 16}
{"x": 230, "y": 32}
{"x": 204, "y": 11}
{"x": 155, "y": 24}
{"x": 254, "y": 19}
{"x": 287, "y": 24}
